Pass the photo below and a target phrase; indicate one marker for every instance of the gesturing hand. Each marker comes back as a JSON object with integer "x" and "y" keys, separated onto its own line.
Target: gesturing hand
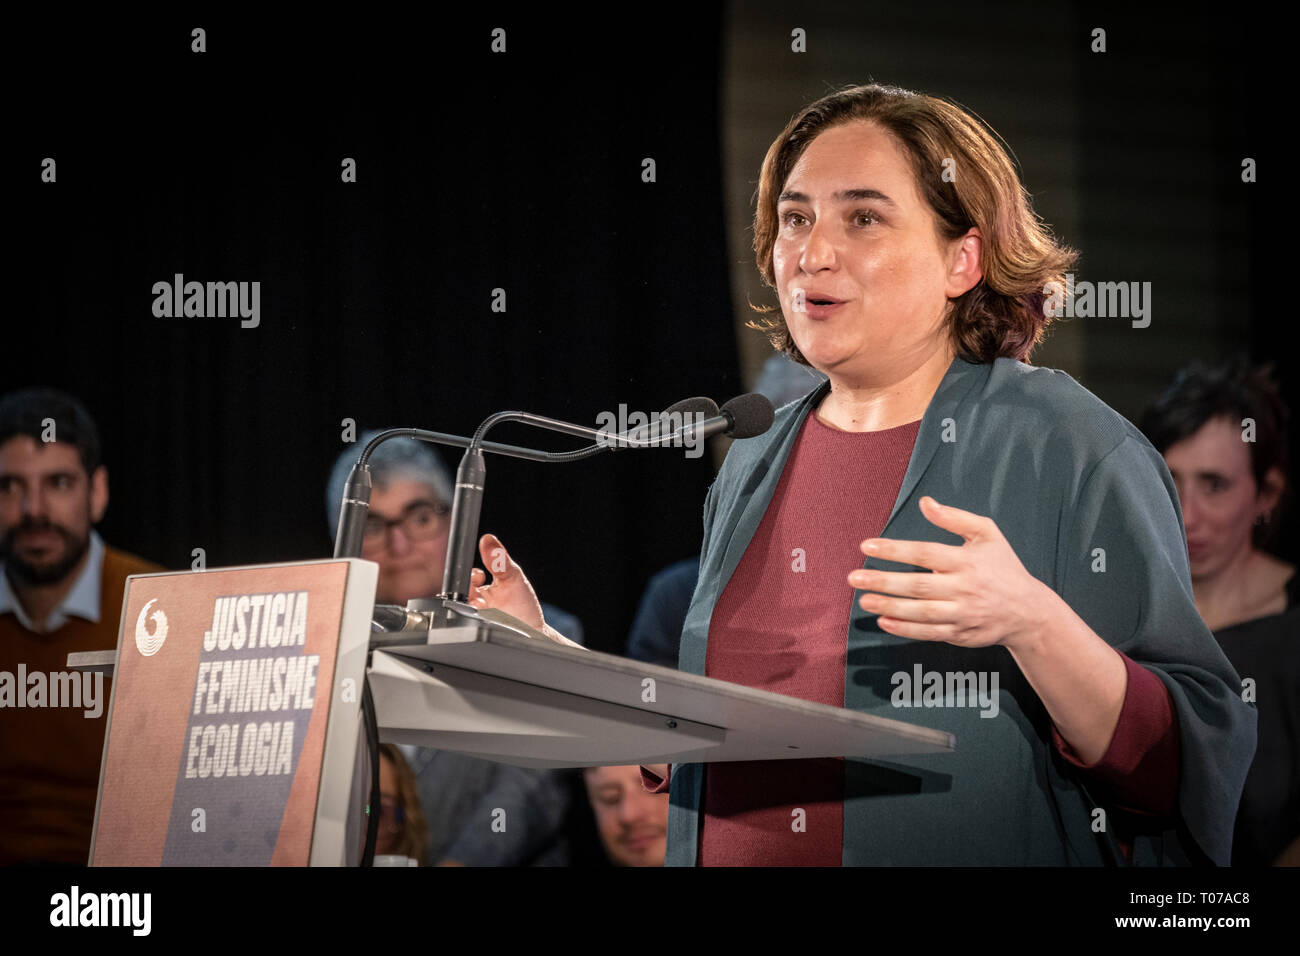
{"x": 979, "y": 593}
{"x": 510, "y": 590}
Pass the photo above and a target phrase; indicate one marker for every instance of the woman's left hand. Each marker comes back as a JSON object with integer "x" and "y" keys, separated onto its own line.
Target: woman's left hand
{"x": 979, "y": 594}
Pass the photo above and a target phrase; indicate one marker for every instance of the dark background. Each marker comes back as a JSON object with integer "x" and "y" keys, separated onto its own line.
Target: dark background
{"x": 523, "y": 171}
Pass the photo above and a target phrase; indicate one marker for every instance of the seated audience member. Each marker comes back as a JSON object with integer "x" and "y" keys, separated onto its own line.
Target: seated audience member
{"x": 657, "y": 628}
{"x": 406, "y": 534}
{"x": 1223, "y": 432}
{"x": 632, "y": 822}
{"x": 403, "y": 831}
{"x": 60, "y": 592}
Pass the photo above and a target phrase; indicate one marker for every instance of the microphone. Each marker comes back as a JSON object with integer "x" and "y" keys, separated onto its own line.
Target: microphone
{"x": 392, "y": 619}
{"x": 681, "y": 414}
{"x": 750, "y": 415}
{"x": 353, "y": 512}
{"x": 466, "y": 505}
{"x": 604, "y": 440}
{"x": 745, "y": 416}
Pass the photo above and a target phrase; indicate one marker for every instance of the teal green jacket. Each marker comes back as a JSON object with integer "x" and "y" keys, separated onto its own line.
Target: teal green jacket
{"x": 1091, "y": 510}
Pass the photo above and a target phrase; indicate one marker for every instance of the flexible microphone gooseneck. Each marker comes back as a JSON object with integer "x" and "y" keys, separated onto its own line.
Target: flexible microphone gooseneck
{"x": 355, "y": 506}
{"x": 743, "y": 417}
{"x": 468, "y": 503}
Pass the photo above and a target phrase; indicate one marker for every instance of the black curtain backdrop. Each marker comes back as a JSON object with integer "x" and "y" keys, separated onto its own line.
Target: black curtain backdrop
{"x": 476, "y": 171}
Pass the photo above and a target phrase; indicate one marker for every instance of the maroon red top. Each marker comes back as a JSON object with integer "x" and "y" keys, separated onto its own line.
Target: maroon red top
{"x": 781, "y": 624}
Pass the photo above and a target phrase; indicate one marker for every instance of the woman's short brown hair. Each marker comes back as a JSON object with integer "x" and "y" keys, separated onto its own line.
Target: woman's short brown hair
{"x": 1002, "y": 315}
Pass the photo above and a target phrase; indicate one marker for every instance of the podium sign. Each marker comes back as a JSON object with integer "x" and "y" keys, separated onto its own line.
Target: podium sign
{"x": 234, "y": 723}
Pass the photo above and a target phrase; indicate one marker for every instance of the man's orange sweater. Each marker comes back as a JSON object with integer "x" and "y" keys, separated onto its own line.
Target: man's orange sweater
{"x": 50, "y": 756}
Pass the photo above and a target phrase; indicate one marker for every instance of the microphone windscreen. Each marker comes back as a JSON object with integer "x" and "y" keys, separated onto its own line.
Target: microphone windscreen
{"x": 750, "y": 415}
{"x": 676, "y": 415}
{"x": 692, "y": 406}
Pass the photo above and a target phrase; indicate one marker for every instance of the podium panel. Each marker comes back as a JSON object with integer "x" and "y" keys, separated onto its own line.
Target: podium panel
{"x": 233, "y": 726}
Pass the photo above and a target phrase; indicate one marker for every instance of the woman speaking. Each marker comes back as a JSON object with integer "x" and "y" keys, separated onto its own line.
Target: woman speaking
{"x": 941, "y": 512}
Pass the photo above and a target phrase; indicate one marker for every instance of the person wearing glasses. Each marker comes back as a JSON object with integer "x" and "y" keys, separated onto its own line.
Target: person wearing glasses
{"x": 406, "y": 535}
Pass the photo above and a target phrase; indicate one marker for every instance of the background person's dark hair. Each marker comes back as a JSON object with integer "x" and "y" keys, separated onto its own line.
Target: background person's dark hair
{"x": 24, "y": 413}
{"x": 1233, "y": 389}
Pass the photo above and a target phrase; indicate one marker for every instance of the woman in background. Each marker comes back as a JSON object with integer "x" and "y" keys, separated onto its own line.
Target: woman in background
{"x": 1223, "y": 432}
{"x": 402, "y": 827}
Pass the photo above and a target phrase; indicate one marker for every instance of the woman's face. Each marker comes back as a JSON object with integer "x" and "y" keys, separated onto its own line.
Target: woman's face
{"x": 853, "y": 228}
{"x": 1216, "y": 489}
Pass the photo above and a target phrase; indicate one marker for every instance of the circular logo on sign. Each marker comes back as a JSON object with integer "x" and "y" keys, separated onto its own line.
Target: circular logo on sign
{"x": 149, "y": 643}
